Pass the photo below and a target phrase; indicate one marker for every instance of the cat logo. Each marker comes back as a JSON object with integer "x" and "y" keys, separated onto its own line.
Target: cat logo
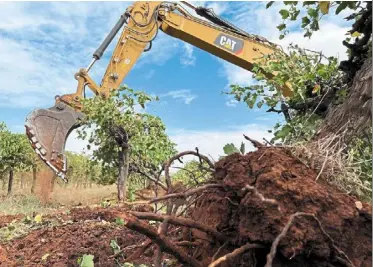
{"x": 231, "y": 44}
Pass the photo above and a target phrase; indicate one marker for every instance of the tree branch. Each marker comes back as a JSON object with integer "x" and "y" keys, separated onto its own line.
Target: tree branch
{"x": 254, "y": 142}
{"x": 234, "y": 254}
{"x": 181, "y": 222}
{"x": 134, "y": 224}
{"x": 168, "y": 163}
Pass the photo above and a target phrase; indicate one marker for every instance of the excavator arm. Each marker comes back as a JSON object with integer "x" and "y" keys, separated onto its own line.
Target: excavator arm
{"x": 48, "y": 129}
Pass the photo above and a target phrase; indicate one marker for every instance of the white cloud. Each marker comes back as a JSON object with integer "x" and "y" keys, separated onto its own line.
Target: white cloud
{"x": 235, "y": 74}
{"x": 256, "y": 19}
{"x": 188, "y": 59}
{"x": 328, "y": 40}
{"x": 185, "y": 95}
{"x": 212, "y": 142}
{"x": 76, "y": 145}
{"x": 231, "y": 103}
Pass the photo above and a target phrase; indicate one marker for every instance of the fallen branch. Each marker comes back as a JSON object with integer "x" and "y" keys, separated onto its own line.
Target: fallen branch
{"x": 218, "y": 251}
{"x": 254, "y": 142}
{"x": 323, "y": 166}
{"x": 234, "y": 254}
{"x": 134, "y": 224}
{"x": 140, "y": 251}
{"x": 271, "y": 255}
{"x": 168, "y": 163}
{"x": 187, "y": 243}
{"x": 181, "y": 222}
{"x": 154, "y": 180}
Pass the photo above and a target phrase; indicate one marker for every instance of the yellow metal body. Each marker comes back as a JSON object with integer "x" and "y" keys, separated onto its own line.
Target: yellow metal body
{"x": 146, "y": 18}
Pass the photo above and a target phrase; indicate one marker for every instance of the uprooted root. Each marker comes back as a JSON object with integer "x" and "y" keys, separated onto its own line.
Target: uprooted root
{"x": 260, "y": 208}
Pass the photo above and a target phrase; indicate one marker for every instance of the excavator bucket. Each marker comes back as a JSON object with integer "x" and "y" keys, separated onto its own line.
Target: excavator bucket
{"x": 48, "y": 130}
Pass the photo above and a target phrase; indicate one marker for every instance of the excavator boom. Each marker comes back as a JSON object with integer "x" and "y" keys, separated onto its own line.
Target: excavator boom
{"x": 48, "y": 129}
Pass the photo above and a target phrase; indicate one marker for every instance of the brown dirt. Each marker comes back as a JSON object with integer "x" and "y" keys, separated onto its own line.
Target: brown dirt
{"x": 279, "y": 176}
{"x": 5, "y": 219}
{"x": 86, "y": 234}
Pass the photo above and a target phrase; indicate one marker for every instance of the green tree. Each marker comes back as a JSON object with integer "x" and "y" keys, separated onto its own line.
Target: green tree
{"x": 192, "y": 173}
{"x": 15, "y": 152}
{"x": 118, "y": 134}
{"x": 82, "y": 170}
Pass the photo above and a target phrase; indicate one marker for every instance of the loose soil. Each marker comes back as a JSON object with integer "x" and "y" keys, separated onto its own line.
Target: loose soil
{"x": 239, "y": 214}
{"x": 80, "y": 232}
{"x": 279, "y": 176}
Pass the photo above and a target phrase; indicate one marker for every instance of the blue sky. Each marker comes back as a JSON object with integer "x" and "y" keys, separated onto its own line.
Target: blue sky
{"x": 42, "y": 45}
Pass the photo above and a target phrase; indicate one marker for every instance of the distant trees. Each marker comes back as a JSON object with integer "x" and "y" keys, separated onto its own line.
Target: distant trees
{"x": 15, "y": 153}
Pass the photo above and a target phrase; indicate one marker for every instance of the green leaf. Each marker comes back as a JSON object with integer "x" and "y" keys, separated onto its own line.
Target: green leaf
{"x": 341, "y": 7}
{"x": 294, "y": 15}
{"x": 305, "y": 21}
{"x": 269, "y": 4}
{"x": 308, "y": 3}
{"x": 284, "y": 13}
{"x": 87, "y": 261}
{"x": 119, "y": 221}
{"x": 312, "y": 13}
{"x": 282, "y": 36}
{"x": 281, "y": 26}
{"x": 230, "y": 149}
{"x": 114, "y": 245}
{"x": 283, "y": 132}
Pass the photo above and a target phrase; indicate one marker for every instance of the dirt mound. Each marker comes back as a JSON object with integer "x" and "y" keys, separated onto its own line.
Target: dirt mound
{"x": 269, "y": 186}
{"x": 83, "y": 232}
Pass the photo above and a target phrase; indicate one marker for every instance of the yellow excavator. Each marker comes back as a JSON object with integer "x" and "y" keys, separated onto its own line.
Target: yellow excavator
{"x": 48, "y": 129}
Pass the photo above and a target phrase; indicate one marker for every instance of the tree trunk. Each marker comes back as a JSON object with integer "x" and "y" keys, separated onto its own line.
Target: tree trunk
{"x": 3, "y": 187}
{"x": 123, "y": 157}
{"x": 355, "y": 113}
{"x": 53, "y": 182}
{"x": 10, "y": 183}
{"x": 34, "y": 176}
{"x": 22, "y": 181}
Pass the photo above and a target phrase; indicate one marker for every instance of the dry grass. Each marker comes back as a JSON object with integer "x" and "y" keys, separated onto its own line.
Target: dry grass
{"x": 23, "y": 202}
{"x": 328, "y": 157}
{"x": 83, "y": 196}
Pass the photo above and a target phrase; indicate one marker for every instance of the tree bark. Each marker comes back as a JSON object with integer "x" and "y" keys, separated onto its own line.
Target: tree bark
{"x": 123, "y": 159}
{"x": 34, "y": 176}
{"x": 355, "y": 113}
{"x": 3, "y": 187}
{"x": 10, "y": 183}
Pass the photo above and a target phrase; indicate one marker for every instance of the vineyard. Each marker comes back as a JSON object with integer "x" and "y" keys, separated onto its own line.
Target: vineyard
{"x": 302, "y": 198}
